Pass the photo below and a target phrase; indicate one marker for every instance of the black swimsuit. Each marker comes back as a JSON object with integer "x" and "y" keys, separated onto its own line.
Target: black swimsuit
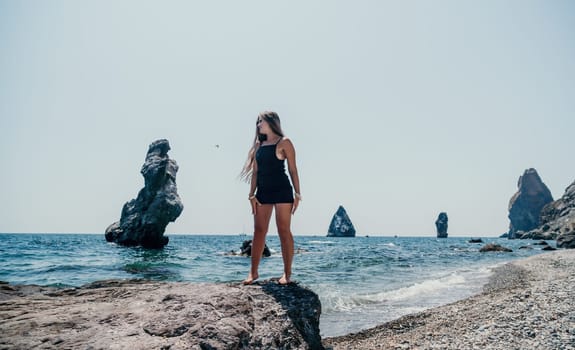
{"x": 273, "y": 185}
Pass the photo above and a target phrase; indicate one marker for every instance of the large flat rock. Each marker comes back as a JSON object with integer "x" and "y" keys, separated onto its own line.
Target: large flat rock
{"x": 140, "y": 314}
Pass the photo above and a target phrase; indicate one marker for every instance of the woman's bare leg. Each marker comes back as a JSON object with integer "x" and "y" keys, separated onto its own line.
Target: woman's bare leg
{"x": 261, "y": 224}
{"x": 283, "y": 221}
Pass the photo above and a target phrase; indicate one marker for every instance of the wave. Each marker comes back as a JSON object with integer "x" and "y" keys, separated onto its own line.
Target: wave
{"x": 436, "y": 290}
{"x": 63, "y": 268}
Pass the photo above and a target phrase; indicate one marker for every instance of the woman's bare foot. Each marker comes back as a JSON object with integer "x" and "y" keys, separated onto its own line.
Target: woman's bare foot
{"x": 251, "y": 279}
{"x": 284, "y": 280}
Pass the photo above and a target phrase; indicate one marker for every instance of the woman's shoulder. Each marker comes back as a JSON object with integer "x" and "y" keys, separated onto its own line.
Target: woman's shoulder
{"x": 285, "y": 140}
{"x": 286, "y": 144}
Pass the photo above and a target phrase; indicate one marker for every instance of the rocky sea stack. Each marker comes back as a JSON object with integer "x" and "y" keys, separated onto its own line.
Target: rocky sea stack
{"x": 526, "y": 204}
{"x": 341, "y": 225}
{"x": 441, "y": 225}
{"x": 144, "y": 219}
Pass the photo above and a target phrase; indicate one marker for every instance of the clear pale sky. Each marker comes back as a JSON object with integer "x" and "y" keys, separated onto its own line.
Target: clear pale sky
{"x": 398, "y": 109}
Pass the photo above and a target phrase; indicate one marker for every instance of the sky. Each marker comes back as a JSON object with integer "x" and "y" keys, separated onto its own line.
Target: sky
{"x": 398, "y": 110}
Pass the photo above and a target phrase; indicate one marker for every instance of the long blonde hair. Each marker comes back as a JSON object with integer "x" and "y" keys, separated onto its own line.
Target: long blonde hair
{"x": 273, "y": 119}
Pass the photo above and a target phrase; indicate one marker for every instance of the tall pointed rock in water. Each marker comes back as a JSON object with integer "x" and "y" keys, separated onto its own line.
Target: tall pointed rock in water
{"x": 144, "y": 219}
{"x": 526, "y": 204}
{"x": 341, "y": 225}
{"x": 441, "y": 225}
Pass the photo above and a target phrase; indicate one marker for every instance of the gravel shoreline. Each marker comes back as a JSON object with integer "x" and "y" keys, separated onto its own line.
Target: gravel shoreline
{"x": 527, "y": 304}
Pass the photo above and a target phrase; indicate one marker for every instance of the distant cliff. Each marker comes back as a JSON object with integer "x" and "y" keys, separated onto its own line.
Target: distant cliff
{"x": 557, "y": 220}
{"x": 341, "y": 225}
{"x": 526, "y": 204}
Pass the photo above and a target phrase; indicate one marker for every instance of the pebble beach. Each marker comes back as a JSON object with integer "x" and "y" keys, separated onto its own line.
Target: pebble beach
{"x": 528, "y": 304}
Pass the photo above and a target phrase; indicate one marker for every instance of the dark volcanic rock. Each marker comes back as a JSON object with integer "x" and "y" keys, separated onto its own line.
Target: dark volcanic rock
{"x": 144, "y": 219}
{"x": 526, "y": 204}
{"x": 537, "y": 234}
{"x": 158, "y": 315}
{"x": 492, "y": 247}
{"x": 341, "y": 225}
{"x": 247, "y": 249}
{"x": 566, "y": 240}
{"x": 557, "y": 220}
{"x": 559, "y": 216}
{"x": 441, "y": 225}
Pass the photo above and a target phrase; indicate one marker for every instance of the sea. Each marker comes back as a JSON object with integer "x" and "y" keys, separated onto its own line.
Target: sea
{"x": 361, "y": 281}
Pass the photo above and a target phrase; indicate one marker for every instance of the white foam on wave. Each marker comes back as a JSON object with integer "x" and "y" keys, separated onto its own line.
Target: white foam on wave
{"x": 321, "y": 242}
{"x": 422, "y": 288}
{"x": 426, "y": 293}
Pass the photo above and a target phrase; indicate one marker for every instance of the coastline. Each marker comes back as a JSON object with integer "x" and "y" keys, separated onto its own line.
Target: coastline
{"x": 525, "y": 305}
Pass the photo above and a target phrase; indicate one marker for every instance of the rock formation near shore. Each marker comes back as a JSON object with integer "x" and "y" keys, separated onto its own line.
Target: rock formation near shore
{"x": 492, "y": 247}
{"x": 557, "y": 221}
{"x": 144, "y": 219}
{"x": 247, "y": 249}
{"x": 158, "y": 315}
{"x": 341, "y": 225}
{"x": 441, "y": 225}
{"x": 526, "y": 204}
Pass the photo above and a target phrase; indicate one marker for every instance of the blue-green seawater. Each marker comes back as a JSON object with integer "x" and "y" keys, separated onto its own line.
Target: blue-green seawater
{"x": 362, "y": 281}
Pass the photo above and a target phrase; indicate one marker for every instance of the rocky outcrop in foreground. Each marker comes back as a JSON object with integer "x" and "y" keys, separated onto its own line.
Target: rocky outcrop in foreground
{"x": 341, "y": 225}
{"x": 526, "y": 204}
{"x": 144, "y": 219}
{"x": 558, "y": 221}
{"x": 158, "y": 315}
{"x": 441, "y": 225}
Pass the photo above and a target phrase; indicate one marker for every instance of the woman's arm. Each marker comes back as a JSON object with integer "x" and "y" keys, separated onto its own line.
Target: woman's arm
{"x": 289, "y": 152}
{"x": 253, "y": 182}
{"x": 253, "y": 186}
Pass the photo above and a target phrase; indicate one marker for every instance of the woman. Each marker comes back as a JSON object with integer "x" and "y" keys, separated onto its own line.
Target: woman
{"x": 270, "y": 189}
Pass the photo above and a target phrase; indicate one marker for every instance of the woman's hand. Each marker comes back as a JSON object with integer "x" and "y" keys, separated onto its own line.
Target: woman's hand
{"x": 295, "y": 205}
{"x": 296, "y": 200}
{"x": 255, "y": 203}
